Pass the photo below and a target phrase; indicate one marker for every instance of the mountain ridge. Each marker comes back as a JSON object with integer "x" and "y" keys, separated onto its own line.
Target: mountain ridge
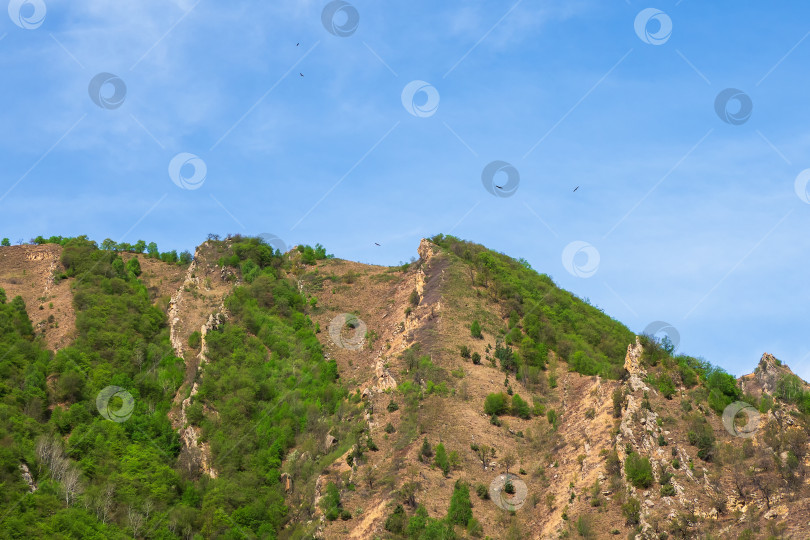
{"x": 591, "y": 431}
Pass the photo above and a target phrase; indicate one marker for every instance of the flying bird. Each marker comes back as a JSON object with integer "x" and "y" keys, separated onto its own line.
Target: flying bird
{"x": 576, "y": 188}
{"x": 297, "y": 44}
{"x": 301, "y": 74}
{"x": 376, "y": 244}
{"x": 499, "y": 187}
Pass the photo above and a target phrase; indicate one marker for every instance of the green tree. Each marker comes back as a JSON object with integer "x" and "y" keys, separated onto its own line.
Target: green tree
{"x": 139, "y": 246}
{"x": 496, "y": 404}
{"x": 506, "y": 356}
{"x": 330, "y": 502}
{"x": 5, "y": 242}
{"x": 666, "y": 386}
{"x": 475, "y": 330}
{"x": 195, "y": 339}
{"x": 460, "y": 511}
{"x": 552, "y": 417}
{"x": 441, "y": 460}
{"x": 638, "y": 470}
{"x": 152, "y": 250}
{"x": 134, "y": 266}
{"x": 426, "y": 451}
{"x": 397, "y": 520}
{"x": 701, "y": 435}
{"x": 618, "y": 402}
{"x": 169, "y": 256}
{"x": 520, "y": 408}
{"x": 632, "y": 511}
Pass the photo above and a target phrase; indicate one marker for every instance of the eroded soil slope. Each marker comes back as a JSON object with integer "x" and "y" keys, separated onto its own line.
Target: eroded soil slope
{"x": 28, "y": 271}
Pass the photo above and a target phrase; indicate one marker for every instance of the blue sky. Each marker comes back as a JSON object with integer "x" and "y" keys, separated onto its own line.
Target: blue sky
{"x": 696, "y": 221}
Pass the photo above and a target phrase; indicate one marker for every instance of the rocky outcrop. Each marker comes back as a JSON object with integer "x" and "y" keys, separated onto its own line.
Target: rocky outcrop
{"x": 632, "y": 364}
{"x": 286, "y": 482}
{"x": 426, "y": 249}
{"x": 195, "y": 455}
{"x": 767, "y": 373}
{"x": 766, "y": 377}
{"x": 198, "y": 453}
{"x": 632, "y": 360}
{"x": 26, "y": 474}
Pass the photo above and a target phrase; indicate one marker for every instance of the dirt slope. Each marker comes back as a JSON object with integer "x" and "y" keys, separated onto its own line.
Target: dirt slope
{"x": 28, "y": 271}
{"x": 569, "y": 485}
{"x": 379, "y": 296}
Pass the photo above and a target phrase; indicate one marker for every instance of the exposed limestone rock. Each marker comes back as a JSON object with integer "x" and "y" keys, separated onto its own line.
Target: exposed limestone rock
{"x": 175, "y": 309}
{"x": 779, "y": 512}
{"x": 426, "y": 249}
{"x": 26, "y": 474}
{"x": 385, "y": 380}
{"x": 287, "y": 482}
{"x": 196, "y": 454}
{"x": 632, "y": 361}
{"x": 767, "y": 373}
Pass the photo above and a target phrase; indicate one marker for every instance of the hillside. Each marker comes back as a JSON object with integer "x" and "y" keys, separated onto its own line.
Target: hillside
{"x": 250, "y": 393}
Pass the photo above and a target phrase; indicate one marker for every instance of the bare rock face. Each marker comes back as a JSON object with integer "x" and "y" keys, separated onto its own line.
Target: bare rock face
{"x": 426, "y": 249}
{"x": 766, "y": 376}
{"x": 632, "y": 362}
{"x": 26, "y": 474}
{"x": 287, "y": 482}
{"x": 767, "y": 373}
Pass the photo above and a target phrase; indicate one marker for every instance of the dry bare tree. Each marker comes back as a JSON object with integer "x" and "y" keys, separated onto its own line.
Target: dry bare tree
{"x": 483, "y": 455}
{"x": 71, "y": 485}
{"x": 509, "y": 461}
{"x": 135, "y": 519}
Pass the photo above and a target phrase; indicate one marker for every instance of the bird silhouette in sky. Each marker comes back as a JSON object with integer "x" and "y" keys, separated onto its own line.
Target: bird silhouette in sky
{"x": 499, "y": 187}
{"x": 301, "y": 74}
{"x": 376, "y": 244}
{"x": 576, "y": 188}
{"x": 297, "y": 44}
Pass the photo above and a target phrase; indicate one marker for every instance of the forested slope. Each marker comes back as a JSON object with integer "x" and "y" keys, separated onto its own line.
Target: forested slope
{"x": 267, "y": 387}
